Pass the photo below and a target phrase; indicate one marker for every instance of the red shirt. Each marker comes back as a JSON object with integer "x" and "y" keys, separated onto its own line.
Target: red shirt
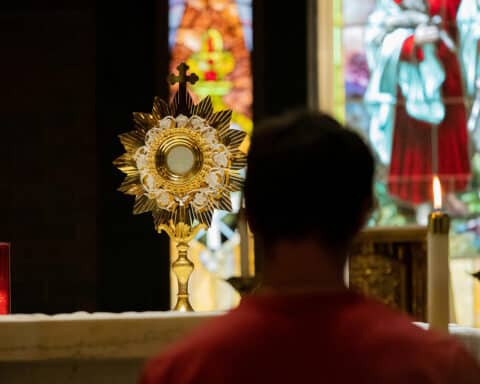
{"x": 329, "y": 338}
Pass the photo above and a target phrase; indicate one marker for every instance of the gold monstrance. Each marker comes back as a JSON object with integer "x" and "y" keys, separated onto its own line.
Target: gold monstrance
{"x": 182, "y": 161}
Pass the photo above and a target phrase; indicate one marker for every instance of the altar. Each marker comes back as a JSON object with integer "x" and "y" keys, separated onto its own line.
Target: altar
{"x": 87, "y": 347}
{"x": 105, "y": 347}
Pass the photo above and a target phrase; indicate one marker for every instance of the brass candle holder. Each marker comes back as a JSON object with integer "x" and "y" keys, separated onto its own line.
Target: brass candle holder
{"x": 247, "y": 282}
{"x": 244, "y": 285}
{"x": 439, "y": 222}
{"x": 182, "y": 161}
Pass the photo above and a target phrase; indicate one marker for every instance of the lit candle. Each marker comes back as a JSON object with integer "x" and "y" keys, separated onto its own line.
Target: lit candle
{"x": 438, "y": 306}
{"x": 4, "y": 278}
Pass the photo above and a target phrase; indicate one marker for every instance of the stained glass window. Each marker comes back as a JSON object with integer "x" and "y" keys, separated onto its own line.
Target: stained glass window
{"x": 214, "y": 37}
{"x": 410, "y": 77}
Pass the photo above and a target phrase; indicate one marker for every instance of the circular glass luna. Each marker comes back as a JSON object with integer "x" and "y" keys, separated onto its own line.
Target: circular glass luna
{"x": 180, "y": 160}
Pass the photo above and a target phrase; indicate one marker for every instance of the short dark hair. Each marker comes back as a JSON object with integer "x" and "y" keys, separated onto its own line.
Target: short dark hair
{"x": 308, "y": 175}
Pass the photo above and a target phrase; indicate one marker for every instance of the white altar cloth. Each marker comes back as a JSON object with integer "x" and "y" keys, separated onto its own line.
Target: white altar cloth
{"x": 105, "y": 347}
{"x": 84, "y": 335}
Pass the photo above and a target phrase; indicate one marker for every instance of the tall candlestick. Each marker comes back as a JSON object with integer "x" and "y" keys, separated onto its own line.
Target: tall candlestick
{"x": 244, "y": 243}
{"x": 438, "y": 305}
{"x": 4, "y": 278}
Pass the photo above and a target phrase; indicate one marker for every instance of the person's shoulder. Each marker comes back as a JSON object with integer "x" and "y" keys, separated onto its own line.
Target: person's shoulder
{"x": 400, "y": 348}
{"x": 387, "y": 325}
{"x": 205, "y": 351}
{"x": 425, "y": 353}
{"x": 236, "y": 325}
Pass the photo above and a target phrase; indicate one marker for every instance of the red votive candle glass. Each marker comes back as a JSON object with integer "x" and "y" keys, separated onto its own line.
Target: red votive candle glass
{"x": 4, "y": 278}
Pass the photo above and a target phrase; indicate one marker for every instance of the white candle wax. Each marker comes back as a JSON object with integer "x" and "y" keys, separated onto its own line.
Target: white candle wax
{"x": 438, "y": 306}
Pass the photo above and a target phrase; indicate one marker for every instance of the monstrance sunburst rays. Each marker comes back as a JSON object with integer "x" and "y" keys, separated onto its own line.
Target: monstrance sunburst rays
{"x": 181, "y": 163}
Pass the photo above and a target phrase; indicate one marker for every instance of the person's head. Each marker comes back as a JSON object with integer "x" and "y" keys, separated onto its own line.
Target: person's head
{"x": 308, "y": 178}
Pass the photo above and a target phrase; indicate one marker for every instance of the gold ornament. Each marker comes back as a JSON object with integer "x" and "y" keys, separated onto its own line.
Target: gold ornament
{"x": 182, "y": 161}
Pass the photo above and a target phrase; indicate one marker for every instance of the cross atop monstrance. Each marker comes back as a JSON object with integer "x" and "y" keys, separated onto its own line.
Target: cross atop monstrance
{"x": 182, "y": 79}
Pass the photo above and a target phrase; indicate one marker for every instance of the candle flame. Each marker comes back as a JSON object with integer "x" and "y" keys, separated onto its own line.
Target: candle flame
{"x": 437, "y": 193}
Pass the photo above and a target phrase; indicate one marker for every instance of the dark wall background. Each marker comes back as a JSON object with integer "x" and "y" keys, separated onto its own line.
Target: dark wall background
{"x": 280, "y": 56}
{"x": 71, "y": 74}
{"x": 48, "y": 195}
{"x": 133, "y": 259}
